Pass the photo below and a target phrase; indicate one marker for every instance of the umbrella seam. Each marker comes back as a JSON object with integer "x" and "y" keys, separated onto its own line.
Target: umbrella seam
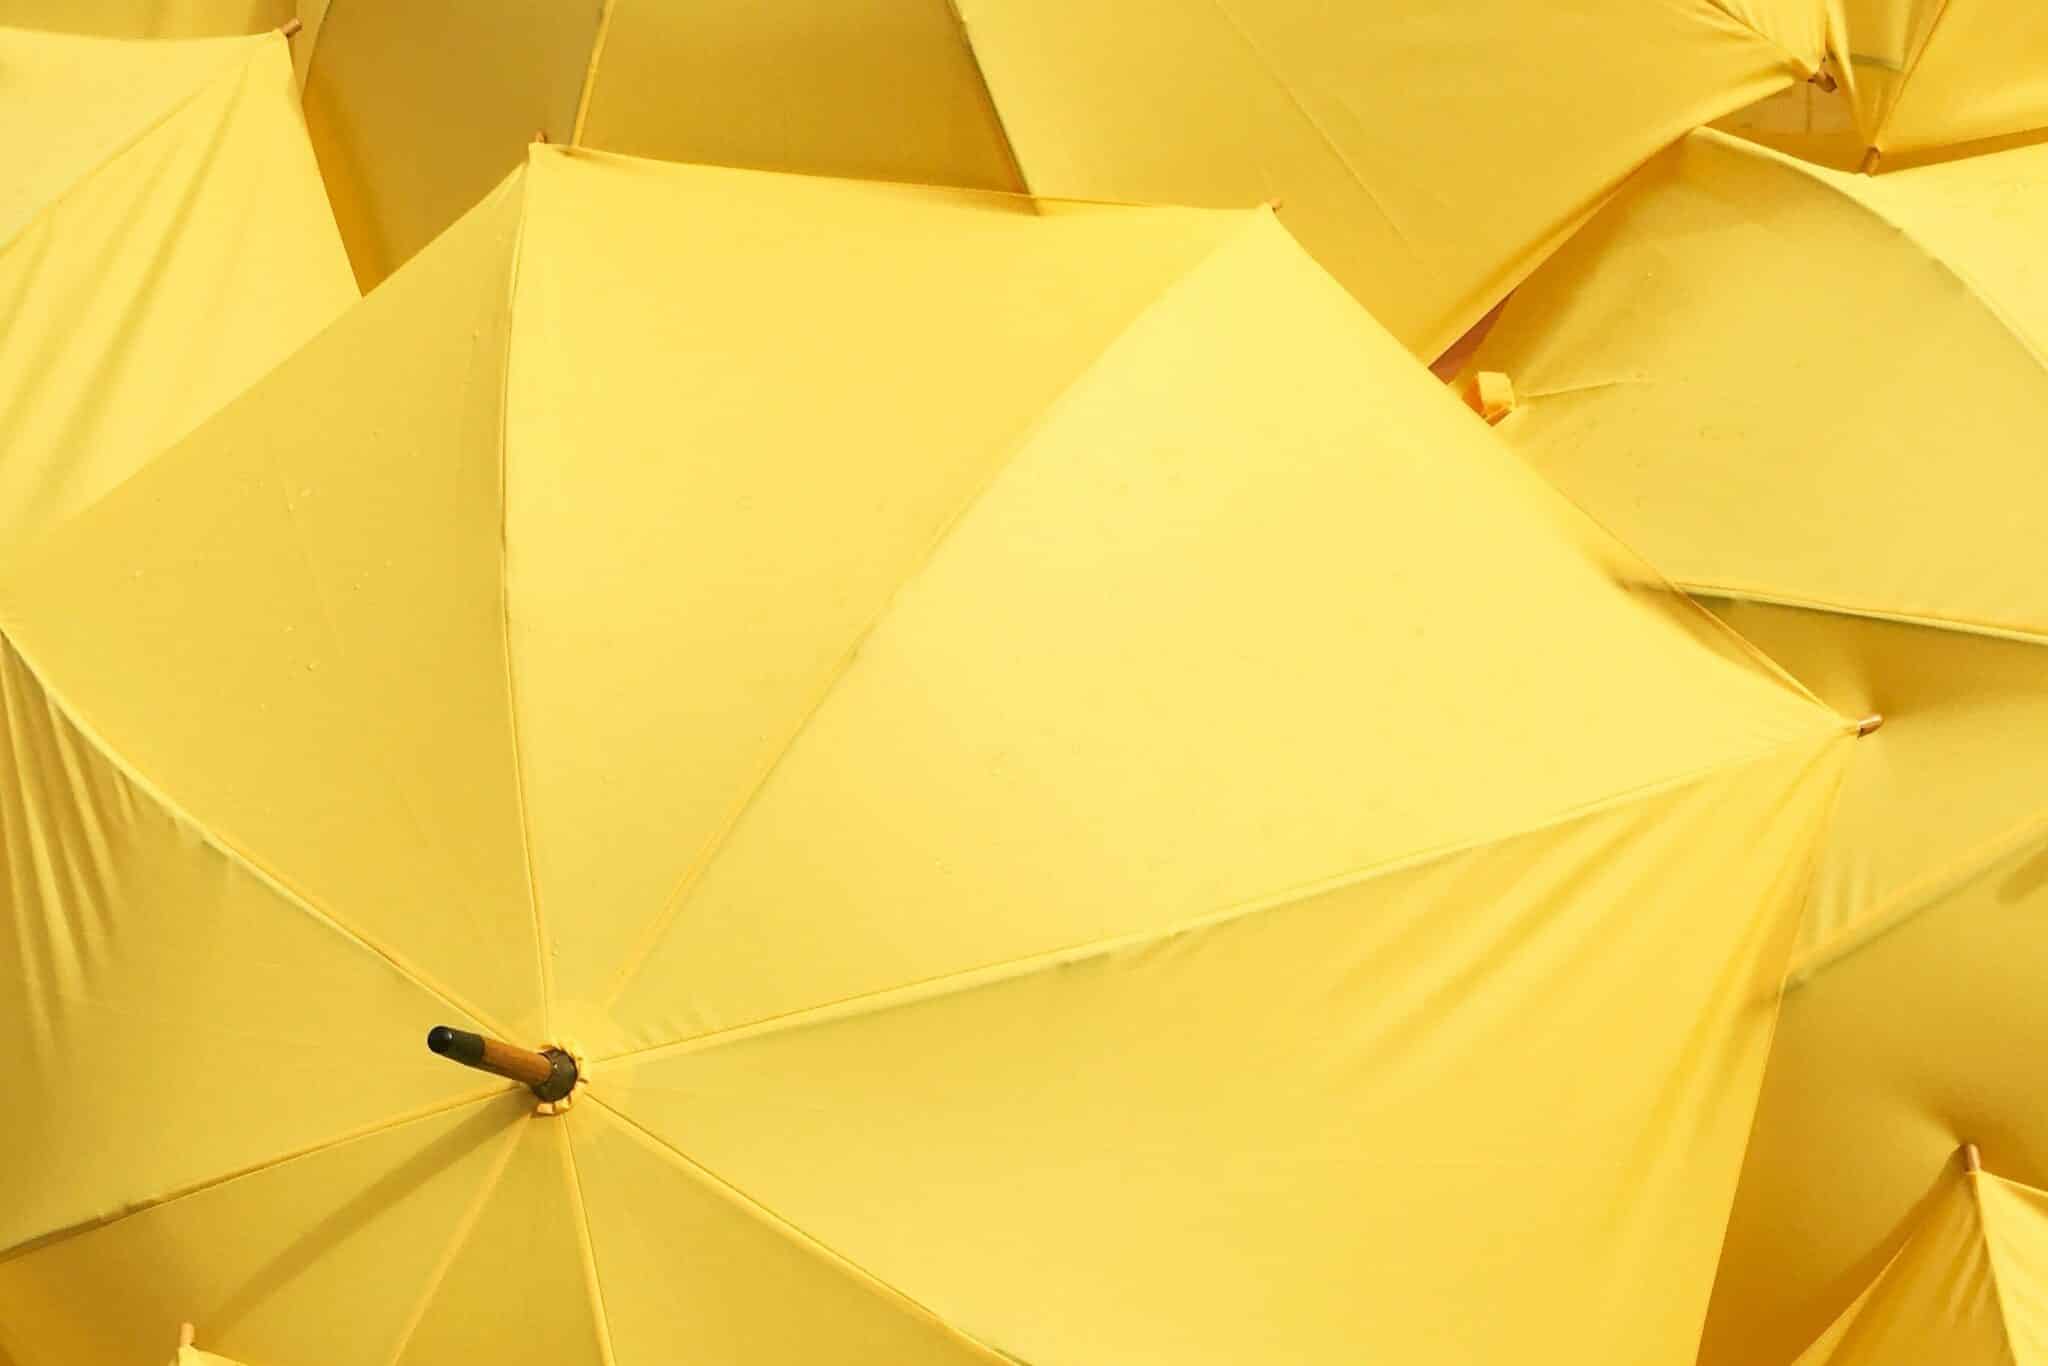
{"x": 1740, "y": 592}
{"x": 1915, "y": 898}
{"x": 657, "y": 927}
{"x": 541, "y": 941}
{"x": 84, "y": 1226}
{"x": 1907, "y": 71}
{"x": 988, "y": 96}
{"x": 1003, "y": 970}
{"x": 234, "y": 854}
{"x": 464, "y": 1228}
{"x": 1855, "y": 189}
{"x": 1975, "y": 1181}
{"x": 586, "y": 1247}
{"x": 797, "y": 1234}
{"x": 228, "y": 71}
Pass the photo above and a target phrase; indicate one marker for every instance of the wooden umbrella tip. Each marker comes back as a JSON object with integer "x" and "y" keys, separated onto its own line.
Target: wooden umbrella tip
{"x": 187, "y": 1335}
{"x": 291, "y": 28}
{"x": 1973, "y": 1161}
{"x": 540, "y": 135}
{"x": 1869, "y": 724}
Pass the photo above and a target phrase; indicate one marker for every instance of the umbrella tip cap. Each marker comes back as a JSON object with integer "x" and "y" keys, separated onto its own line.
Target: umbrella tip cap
{"x": 457, "y": 1044}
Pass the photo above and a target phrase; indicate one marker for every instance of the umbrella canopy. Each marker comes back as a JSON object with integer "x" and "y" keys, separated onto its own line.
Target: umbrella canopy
{"x": 1970, "y": 1284}
{"x": 1863, "y": 495}
{"x": 995, "y": 732}
{"x": 1428, "y": 157}
{"x": 164, "y": 240}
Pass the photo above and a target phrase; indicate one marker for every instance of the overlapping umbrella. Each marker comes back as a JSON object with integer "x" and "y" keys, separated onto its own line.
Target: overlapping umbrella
{"x": 1862, "y": 494}
{"x": 164, "y": 241}
{"x": 1427, "y": 155}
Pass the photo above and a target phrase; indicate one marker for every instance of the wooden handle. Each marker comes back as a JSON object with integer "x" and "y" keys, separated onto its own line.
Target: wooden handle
{"x": 290, "y": 28}
{"x": 551, "y": 1074}
{"x": 1973, "y": 1161}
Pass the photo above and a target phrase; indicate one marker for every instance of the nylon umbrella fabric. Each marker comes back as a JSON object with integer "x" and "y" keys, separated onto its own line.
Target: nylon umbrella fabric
{"x": 1933, "y": 74}
{"x": 164, "y": 241}
{"x": 1861, "y": 495}
{"x": 1046, "y": 825}
{"x": 1428, "y": 157}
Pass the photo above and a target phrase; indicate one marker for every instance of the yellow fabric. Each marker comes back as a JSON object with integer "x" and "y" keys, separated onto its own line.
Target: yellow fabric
{"x": 164, "y": 240}
{"x": 147, "y": 18}
{"x": 1858, "y": 494}
{"x": 999, "y": 730}
{"x": 1969, "y": 1286}
{"x": 1428, "y": 155}
{"x": 1933, "y": 72}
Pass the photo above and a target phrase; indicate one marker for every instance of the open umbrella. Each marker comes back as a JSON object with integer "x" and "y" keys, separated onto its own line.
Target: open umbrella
{"x": 164, "y": 240}
{"x": 1817, "y": 400}
{"x": 1427, "y": 155}
{"x": 1970, "y": 1283}
{"x": 1058, "y": 798}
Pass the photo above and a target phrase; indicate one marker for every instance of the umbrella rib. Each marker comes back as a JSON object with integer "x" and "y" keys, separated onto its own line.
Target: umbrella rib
{"x": 1916, "y": 897}
{"x": 541, "y": 954}
{"x": 797, "y": 1235}
{"x": 586, "y": 1246}
{"x": 994, "y": 973}
{"x": 84, "y": 1226}
{"x": 464, "y": 1227}
{"x": 672, "y": 907}
{"x": 1768, "y": 597}
{"x": 233, "y": 854}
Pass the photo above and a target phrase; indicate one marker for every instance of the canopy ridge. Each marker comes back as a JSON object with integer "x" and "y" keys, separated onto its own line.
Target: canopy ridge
{"x": 1010, "y": 969}
{"x": 748, "y": 1204}
{"x": 658, "y": 926}
{"x": 1874, "y": 139}
{"x": 82, "y": 1226}
{"x": 464, "y": 1227}
{"x": 988, "y": 96}
{"x": 1918, "y": 896}
{"x": 247, "y": 862}
{"x": 1857, "y": 189}
{"x": 250, "y": 47}
{"x": 586, "y": 1246}
{"x": 1939, "y": 621}
{"x": 542, "y": 955}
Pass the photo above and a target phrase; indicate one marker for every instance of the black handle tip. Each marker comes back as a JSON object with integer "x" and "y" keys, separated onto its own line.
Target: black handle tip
{"x": 457, "y": 1044}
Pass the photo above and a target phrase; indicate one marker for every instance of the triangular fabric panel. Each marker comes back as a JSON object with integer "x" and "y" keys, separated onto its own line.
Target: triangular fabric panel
{"x": 526, "y": 1245}
{"x": 373, "y": 1215}
{"x": 690, "y": 1265}
{"x": 124, "y": 925}
{"x": 417, "y": 110}
{"x": 792, "y": 404}
{"x": 1069, "y": 720}
{"x": 166, "y": 244}
{"x": 1966, "y": 1289}
{"x": 1178, "y": 1126}
{"x": 248, "y": 620}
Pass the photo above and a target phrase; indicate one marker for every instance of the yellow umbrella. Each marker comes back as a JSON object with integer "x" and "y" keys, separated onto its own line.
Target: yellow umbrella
{"x": 1066, "y": 802}
{"x": 1818, "y": 400}
{"x": 1970, "y": 1283}
{"x": 164, "y": 240}
{"x": 1427, "y": 155}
